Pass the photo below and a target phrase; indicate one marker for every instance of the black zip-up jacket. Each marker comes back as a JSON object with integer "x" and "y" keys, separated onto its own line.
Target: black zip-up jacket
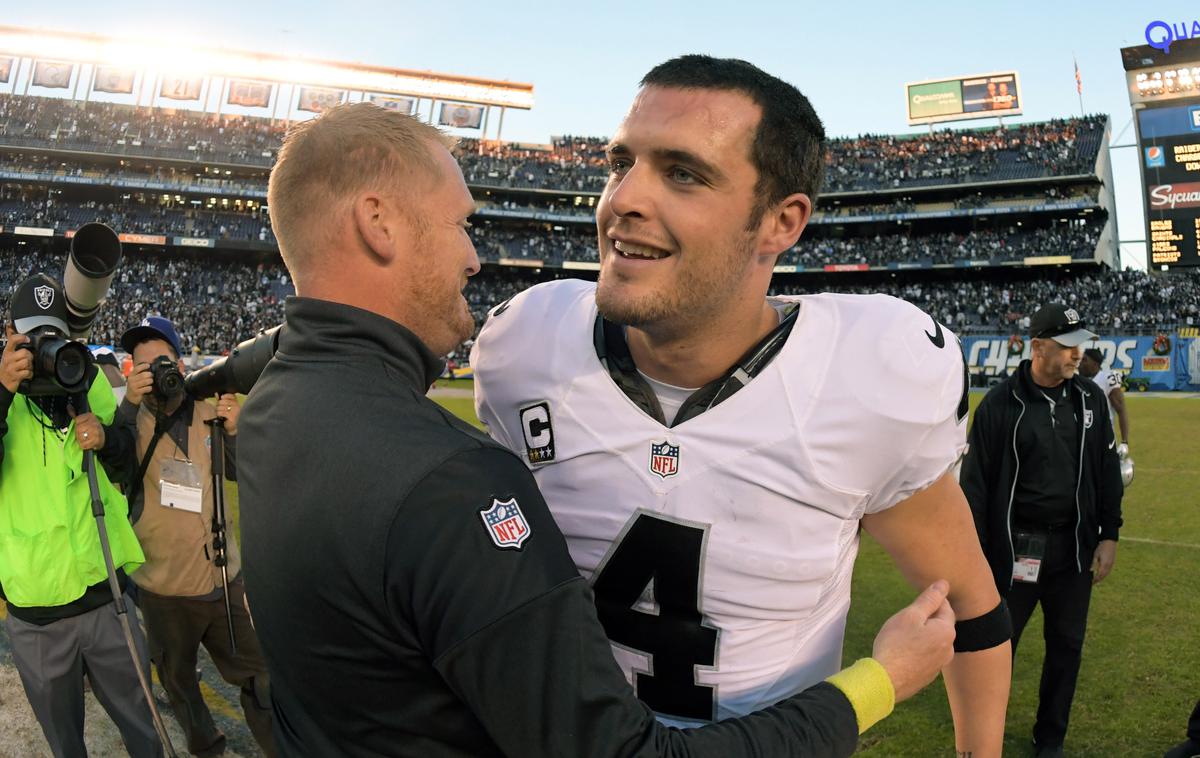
{"x": 392, "y": 622}
{"x": 991, "y": 467}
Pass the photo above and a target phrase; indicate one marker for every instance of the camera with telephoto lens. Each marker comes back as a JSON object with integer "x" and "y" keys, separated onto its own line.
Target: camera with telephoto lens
{"x": 60, "y": 365}
{"x": 53, "y": 317}
{"x": 237, "y": 372}
{"x": 167, "y": 380}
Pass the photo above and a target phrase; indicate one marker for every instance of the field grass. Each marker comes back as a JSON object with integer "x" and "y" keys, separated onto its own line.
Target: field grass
{"x": 1141, "y": 669}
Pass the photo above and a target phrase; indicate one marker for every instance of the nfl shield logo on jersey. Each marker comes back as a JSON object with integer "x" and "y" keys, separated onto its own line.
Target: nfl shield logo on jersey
{"x": 664, "y": 459}
{"x": 505, "y": 524}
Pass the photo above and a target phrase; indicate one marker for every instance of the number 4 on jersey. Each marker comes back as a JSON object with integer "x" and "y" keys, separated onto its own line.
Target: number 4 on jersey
{"x": 669, "y": 555}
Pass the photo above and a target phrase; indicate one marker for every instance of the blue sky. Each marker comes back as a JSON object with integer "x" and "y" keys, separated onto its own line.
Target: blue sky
{"x": 585, "y": 58}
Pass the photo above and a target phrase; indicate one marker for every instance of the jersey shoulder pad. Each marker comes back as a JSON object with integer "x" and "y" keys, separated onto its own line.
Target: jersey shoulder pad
{"x": 902, "y": 378}
{"x": 918, "y": 374}
{"x": 530, "y": 315}
{"x": 535, "y": 337}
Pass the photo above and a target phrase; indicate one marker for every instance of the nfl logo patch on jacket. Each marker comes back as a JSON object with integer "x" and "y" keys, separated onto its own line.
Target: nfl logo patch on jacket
{"x": 505, "y": 523}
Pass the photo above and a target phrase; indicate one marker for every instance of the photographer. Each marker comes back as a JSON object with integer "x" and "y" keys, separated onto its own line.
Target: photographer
{"x": 180, "y": 589}
{"x": 61, "y": 617}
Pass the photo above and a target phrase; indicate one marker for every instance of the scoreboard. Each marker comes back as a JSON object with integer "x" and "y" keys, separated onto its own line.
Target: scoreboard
{"x": 1164, "y": 92}
{"x": 1169, "y": 149}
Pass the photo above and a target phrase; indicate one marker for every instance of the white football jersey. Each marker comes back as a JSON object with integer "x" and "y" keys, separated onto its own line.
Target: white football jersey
{"x": 720, "y": 551}
{"x": 1108, "y": 380}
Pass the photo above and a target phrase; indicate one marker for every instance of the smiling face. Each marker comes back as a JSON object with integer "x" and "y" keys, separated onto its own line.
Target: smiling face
{"x": 673, "y": 220}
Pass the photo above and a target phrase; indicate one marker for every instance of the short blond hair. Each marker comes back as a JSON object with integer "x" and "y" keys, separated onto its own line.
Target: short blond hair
{"x": 328, "y": 160}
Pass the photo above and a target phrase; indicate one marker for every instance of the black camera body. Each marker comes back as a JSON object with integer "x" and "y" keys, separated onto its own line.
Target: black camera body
{"x": 168, "y": 381}
{"x": 60, "y": 365}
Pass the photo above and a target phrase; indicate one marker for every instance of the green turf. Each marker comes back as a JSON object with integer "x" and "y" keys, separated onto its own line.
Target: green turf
{"x": 1141, "y": 668}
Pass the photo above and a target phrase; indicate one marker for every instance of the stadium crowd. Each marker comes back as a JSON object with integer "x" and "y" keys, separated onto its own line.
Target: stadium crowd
{"x": 1014, "y": 243}
{"x": 578, "y": 243}
{"x": 1051, "y": 148}
{"x": 131, "y": 173}
{"x": 576, "y": 164}
{"x": 217, "y": 302}
{"x": 22, "y": 205}
{"x": 1111, "y": 300}
{"x": 112, "y": 128}
{"x": 36, "y": 207}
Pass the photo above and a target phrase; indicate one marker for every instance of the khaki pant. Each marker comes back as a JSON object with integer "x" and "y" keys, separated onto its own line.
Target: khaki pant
{"x": 176, "y": 627}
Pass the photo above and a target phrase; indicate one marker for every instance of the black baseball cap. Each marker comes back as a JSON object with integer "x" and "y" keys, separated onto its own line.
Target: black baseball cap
{"x": 1060, "y": 323}
{"x": 39, "y": 301}
{"x": 1095, "y": 354}
{"x": 152, "y": 328}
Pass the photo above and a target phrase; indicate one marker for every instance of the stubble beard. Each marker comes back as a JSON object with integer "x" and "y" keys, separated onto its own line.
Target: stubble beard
{"x": 455, "y": 325}
{"x": 465, "y": 321}
{"x": 694, "y": 293}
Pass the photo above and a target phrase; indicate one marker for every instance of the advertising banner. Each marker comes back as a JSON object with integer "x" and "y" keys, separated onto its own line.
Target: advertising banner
{"x": 1163, "y": 362}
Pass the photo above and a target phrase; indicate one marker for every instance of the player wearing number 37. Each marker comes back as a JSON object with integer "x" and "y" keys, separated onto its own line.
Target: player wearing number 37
{"x": 710, "y": 452}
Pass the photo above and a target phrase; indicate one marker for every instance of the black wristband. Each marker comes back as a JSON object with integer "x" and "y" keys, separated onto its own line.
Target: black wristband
{"x": 983, "y": 632}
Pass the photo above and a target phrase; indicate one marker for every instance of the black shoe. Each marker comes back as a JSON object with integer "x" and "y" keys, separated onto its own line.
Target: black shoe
{"x": 1185, "y": 749}
{"x": 1047, "y": 751}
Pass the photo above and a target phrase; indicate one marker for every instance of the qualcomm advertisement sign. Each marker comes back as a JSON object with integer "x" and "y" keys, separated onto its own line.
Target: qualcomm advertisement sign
{"x": 1166, "y": 362}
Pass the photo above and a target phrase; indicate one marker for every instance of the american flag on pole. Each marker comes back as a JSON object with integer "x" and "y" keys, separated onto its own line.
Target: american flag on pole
{"x": 1078, "y": 79}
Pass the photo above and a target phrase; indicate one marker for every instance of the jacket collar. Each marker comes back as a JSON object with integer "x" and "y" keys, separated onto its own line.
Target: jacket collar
{"x": 318, "y": 328}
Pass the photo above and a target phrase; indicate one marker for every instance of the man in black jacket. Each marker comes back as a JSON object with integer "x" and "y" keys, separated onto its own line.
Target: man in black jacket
{"x": 1044, "y": 483}
{"x": 411, "y": 592}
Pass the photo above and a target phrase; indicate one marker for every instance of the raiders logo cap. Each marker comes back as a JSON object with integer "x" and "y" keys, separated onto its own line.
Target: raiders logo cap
{"x": 39, "y": 301}
{"x": 1060, "y": 323}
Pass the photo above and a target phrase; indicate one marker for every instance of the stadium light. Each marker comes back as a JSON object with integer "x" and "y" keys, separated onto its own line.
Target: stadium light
{"x": 181, "y": 56}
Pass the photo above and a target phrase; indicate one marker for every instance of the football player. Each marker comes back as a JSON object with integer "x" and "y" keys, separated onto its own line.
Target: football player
{"x": 1109, "y": 381}
{"x": 711, "y": 453}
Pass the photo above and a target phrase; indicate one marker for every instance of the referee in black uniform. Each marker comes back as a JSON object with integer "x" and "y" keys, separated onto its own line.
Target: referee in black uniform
{"x": 1044, "y": 483}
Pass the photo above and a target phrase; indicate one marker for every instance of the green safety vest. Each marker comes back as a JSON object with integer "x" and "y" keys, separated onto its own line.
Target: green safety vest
{"x": 49, "y": 542}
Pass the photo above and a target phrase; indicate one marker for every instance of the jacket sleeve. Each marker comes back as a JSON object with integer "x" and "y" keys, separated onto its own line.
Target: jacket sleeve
{"x": 126, "y": 419}
{"x": 6, "y": 399}
{"x": 514, "y": 632}
{"x": 1110, "y": 489}
{"x": 978, "y": 475}
{"x": 119, "y": 454}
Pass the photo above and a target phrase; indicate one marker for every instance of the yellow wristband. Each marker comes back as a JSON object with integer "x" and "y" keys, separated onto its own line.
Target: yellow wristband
{"x": 869, "y": 689}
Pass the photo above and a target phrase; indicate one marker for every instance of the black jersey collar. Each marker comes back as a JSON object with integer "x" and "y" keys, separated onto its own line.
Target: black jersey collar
{"x": 613, "y": 352}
